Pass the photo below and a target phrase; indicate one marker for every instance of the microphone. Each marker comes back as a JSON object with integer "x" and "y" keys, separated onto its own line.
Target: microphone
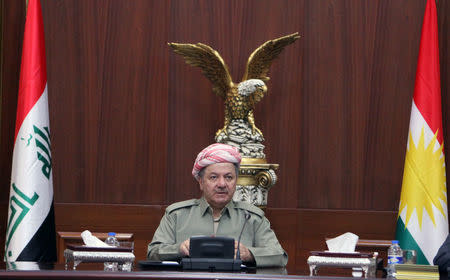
{"x": 247, "y": 217}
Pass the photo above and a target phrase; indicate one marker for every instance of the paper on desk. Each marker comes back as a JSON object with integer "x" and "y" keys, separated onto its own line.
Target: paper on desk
{"x": 92, "y": 241}
{"x": 170, "y": 262}
{"x": 344, "y": 243}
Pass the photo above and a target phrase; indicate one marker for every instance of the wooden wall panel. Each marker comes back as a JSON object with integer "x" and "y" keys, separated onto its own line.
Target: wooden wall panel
{"x": 128, "y": 116}
{"x": 107, "y": 65}
{"x": 3, "y": 225}
{"x": 443, "y": 8}
{"x": 303, "y": 230}
{"x": 298, "y": 230}
{"x": 339, "y": 98}
{"x": 234, "y": 29}
{"x": 351, "y": 141}
{"x": 12, "y": 18}
{"x": 140, "y": 220}
{"x": 357, "y": 146}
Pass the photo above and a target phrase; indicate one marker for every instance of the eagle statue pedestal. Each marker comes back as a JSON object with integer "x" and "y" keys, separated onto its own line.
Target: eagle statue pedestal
{"x": 256, "y": 177}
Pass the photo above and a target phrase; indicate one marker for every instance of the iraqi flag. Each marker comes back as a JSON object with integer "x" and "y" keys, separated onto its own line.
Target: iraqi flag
{"x": 30, "y": 234}
{"x": 422, "y": 222}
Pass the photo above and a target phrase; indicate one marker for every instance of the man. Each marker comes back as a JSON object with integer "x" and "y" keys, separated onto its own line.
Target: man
{"x": 442, "y": 258}
{"x": 215, "y": 213}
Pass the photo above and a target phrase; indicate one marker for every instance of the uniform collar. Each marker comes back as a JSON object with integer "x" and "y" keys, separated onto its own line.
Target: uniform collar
{"x": 204, "y": 206}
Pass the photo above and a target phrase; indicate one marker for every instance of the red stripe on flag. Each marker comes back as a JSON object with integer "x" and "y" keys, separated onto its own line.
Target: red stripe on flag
{"x": 33, "y": 72}
{"x": 427, "y": 90}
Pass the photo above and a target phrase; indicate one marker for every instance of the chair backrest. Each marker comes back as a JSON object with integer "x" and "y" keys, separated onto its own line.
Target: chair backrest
{"x": 373, "y": 245}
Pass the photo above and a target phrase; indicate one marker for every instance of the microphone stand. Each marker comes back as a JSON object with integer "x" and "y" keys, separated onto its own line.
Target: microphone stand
{"x": 238, "y": 252}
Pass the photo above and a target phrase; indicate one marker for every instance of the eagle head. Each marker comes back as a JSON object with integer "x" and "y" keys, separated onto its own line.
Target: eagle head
{"x": 248, "y": 87}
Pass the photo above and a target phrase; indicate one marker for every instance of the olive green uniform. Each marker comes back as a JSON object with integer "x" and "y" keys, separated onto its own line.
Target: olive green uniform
{"x": 194, "y": 217}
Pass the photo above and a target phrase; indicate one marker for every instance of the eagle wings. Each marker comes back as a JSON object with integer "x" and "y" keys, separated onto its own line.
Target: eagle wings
{"x": 240, "y": 98}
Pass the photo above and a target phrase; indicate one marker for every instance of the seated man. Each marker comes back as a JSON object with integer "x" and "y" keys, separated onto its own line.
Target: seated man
{"x": 215, "y": 213}
{"x": 442, "y": 258}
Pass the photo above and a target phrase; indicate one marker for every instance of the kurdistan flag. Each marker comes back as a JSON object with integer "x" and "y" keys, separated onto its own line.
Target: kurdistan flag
{"x": 30, "y": 234}
{"x": 422, "y": 222}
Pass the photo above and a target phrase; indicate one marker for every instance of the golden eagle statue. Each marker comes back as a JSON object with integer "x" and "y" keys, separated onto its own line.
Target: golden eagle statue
{"x": 239, "y": 98}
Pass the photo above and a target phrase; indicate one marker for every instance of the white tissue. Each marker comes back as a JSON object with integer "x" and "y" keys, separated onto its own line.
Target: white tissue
{"x": 92, "y": 241}
{"x": 344, "y": 243}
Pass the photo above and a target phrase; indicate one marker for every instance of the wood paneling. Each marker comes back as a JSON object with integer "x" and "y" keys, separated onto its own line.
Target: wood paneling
{"x": 128, "y": 116}
{"x": 3, "y": 224}
{"x": 13, "y": 13}
{"x": 139, "y": 220}
{"x": 12, "y": 17}
{"x": 107, "y": 73}
{"x": 443, "y": 8}
{"x": 298, "y": 230}
{"x": 351, "y": 144}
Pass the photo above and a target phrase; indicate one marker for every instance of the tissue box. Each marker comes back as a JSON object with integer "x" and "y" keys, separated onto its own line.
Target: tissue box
{"x": 364, "y": 260}
{"x": 80, "y": 253}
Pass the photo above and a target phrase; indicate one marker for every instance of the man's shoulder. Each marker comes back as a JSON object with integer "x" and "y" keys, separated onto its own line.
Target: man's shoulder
{"x": 181, "y": 204}
{"x": 249, "y": 207}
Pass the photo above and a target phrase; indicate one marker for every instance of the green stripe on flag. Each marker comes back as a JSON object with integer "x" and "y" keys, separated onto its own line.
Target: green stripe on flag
{"x": 407, "y": 241}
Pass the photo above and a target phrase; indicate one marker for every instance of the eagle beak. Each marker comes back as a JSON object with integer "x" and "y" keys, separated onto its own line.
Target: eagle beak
{"x": 264, "y": 89}
{"x": 261, "y": 88}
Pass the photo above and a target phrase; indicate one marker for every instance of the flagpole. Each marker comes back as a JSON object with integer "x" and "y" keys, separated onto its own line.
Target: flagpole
{"x": 30, "y": 233}
{"x": 422, "y": 222}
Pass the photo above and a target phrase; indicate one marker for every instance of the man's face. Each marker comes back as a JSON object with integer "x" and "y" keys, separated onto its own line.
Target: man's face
{"x": 218, "y": 184}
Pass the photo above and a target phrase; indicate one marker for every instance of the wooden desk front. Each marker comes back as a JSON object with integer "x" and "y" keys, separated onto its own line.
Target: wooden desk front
{"x": 95, "y": 271}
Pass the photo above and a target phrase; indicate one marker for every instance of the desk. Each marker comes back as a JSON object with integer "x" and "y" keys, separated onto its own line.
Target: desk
{"x": 94, "y": 271}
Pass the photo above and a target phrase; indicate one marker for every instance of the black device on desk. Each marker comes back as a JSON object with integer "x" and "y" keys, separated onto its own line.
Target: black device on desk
{"x": 211, "y": 253}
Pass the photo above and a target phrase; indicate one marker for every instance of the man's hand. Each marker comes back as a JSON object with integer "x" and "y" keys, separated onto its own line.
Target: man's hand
{"x": 246, "y": 255}
{"x": 184, "y": 248}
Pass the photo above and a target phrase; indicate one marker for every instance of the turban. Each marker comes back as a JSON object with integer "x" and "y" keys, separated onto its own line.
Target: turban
{"x": 215, "y": 153}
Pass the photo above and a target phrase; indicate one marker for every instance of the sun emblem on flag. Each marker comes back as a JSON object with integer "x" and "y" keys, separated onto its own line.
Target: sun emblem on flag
{"x": 424, "y": 179}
